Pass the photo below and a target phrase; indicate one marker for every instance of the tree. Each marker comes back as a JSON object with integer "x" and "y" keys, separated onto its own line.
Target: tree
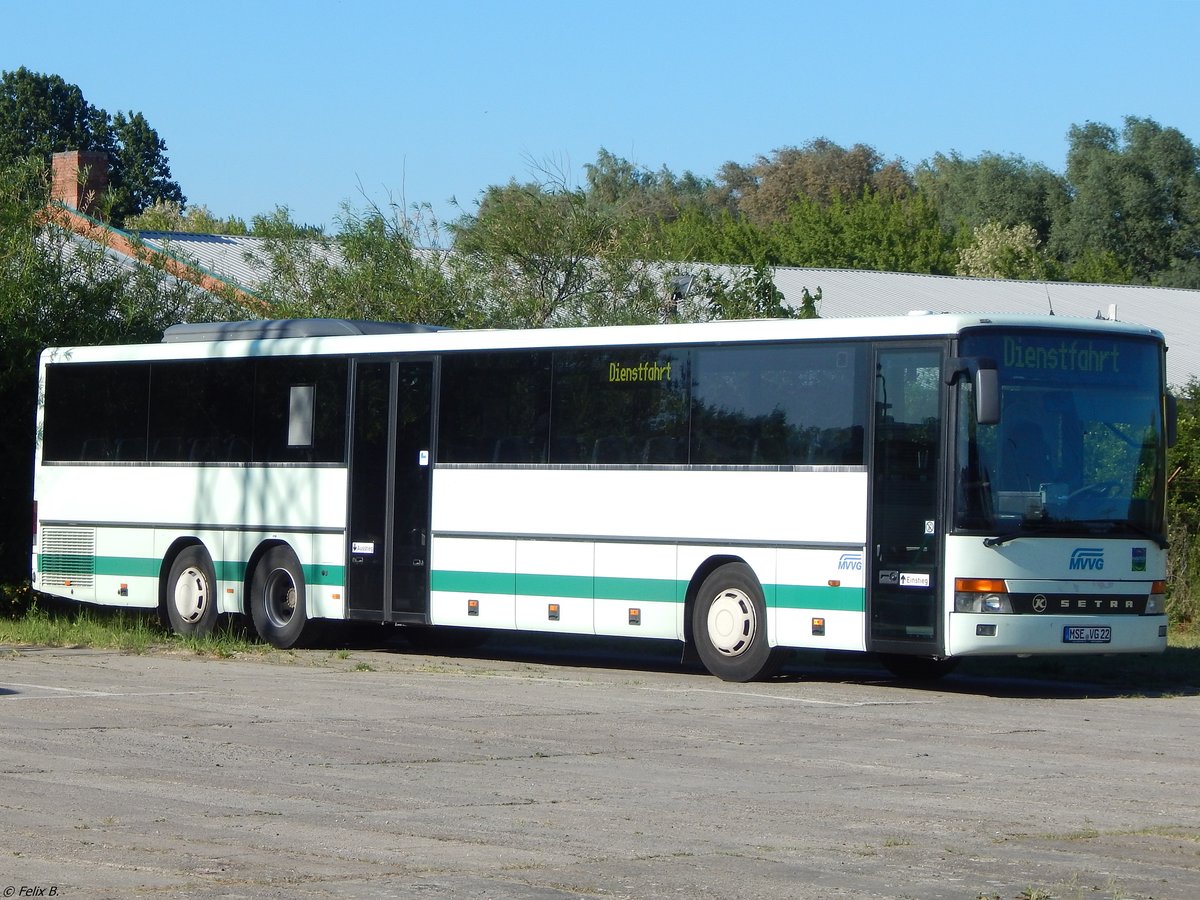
{"x": 637, "y": 193}
{"x": 880, "y": 232}
{"x": 1136, "y": 200}
{"x": 999, "y": 251}
{"x": 820, "y": 172}
{"x": 42, "y": 114}
{"x": 56, "y": 290}
{"x": 139, "y": 174}
{"x": 169, "y": 215}
{"x": 1007, "y": 190}
{"x": 542, "y": 254}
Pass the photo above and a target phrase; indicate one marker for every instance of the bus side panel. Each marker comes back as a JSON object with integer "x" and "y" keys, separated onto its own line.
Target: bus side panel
{"x": 555, "y": 586}
{"x": 637, "y": 593}
{"x": 473, "y": 582}
{"x": 819, "y": 599}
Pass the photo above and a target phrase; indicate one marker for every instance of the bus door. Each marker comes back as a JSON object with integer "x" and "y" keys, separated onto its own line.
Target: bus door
{"x": 390, "y": 461}
{"x": 905, "y": 518}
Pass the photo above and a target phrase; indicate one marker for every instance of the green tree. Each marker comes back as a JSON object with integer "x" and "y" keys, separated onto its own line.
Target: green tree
{"x": 541, "y": 254}
{"x": 1007, "y": 190}
{"x": 56, "y": 290}
{"x": 880, "y": 232}
{"x": 1183, "y": 509}
{"x": 1136, "y": 200}
{"x": 169, "y": 215}
{"x": 999, "y": 251}
{"x": 637, "y": 193}
{"x": 139, "y": 173}
{"x": 42, "y": 114}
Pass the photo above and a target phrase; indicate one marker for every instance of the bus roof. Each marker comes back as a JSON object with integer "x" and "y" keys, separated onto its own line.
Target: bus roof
{"x": 340, "y": 336}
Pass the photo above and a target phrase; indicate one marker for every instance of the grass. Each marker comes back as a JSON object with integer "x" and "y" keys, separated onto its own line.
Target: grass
{"x": 129, "y": 631}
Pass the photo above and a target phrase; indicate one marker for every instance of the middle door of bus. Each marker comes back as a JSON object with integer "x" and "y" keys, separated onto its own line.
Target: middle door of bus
{"x": 390, "y": 462}
{"x": 904, "y": 579}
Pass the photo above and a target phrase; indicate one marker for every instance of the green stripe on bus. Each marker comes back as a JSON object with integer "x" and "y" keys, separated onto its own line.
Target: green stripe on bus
{"x": 803, "y": 596}
{"x": 645, "y": 590}
{"x": 145, "y": 567}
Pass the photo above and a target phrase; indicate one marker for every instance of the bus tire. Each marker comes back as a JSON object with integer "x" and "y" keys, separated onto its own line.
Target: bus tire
{"x": 191, "y": 595}
{"x": 277, "y": 599}
{"x": 729, "y": 626}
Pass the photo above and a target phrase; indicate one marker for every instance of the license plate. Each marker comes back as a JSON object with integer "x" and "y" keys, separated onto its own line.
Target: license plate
{"x": 1087, "y": 634}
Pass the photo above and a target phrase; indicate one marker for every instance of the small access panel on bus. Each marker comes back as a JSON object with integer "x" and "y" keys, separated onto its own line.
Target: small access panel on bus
{"x": 388, "y": 573}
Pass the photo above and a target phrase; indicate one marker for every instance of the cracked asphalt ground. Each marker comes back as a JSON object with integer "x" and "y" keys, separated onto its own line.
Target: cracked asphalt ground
{"x": 520, "y": 774}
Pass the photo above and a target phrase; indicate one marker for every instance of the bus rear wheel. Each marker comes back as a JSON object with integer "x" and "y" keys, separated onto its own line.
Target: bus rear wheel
{"x": 729, "y": 626}
{"x": 191, "y": 599}
{"x": 277, "y": 599}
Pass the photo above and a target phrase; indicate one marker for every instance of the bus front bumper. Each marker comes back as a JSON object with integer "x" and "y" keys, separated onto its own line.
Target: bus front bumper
{"x": 979, "y": 634}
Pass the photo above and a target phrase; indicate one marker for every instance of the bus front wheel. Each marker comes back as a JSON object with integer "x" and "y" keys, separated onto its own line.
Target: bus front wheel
{"x": 191, "y": 599}
{"x": 277, "y": 602}
{"x": 729, "y": 626}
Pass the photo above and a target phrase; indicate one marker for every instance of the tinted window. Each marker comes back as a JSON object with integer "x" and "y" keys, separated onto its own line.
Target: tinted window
{"x": 201, "y": 411}
{"x": 494, "y": 408}
{"x": 96, "y": 412}
{"x": 279, "y": 383}
{"x": 796, "y": 404}
{"x": 623, "y": 405}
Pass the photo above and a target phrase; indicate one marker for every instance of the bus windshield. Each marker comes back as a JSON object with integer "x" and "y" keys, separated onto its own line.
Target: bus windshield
{"x": 1080, "y": 447}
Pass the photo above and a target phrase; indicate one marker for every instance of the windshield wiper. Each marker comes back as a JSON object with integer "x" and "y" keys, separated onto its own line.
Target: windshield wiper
{"x": 1076, "y": 526}
{"x": 1041, "y": 526}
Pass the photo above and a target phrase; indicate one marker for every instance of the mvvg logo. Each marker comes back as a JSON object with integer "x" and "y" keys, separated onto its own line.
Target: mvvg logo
{"x": 851, "y": 561}
{"x": 1087, "y": 558}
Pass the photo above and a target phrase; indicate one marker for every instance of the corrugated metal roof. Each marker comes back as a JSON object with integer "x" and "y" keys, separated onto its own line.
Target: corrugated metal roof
{"x": 846, "y": 292}
{"x": 238, "y": 259}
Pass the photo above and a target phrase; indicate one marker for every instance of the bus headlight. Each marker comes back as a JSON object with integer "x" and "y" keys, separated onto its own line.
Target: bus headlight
{"x": 1156, "y": 603}
{"x": 981, "y": 595}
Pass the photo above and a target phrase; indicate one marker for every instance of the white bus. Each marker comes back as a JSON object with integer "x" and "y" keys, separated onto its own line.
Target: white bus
{"x": 924, "y": 487}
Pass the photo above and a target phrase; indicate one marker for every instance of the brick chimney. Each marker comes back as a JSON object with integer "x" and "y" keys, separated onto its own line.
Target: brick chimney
{"x": 79, "y": 177}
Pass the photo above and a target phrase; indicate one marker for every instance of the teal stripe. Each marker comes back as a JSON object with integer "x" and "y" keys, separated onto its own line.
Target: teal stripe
{"x": 556, "y": 585}
{"x": 474, "y": 582}
{"x": 143, "y": 567}
{"x": 645, "y": 590}
{"x": 641, "y": 590}
{"x": 803, "y": 596}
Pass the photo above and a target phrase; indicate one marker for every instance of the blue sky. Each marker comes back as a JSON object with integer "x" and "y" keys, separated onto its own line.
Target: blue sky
{"x": 264, "y": 103}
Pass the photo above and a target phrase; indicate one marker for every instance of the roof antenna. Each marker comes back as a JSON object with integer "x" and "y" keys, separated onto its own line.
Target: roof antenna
{"x": 1049, "y": 301}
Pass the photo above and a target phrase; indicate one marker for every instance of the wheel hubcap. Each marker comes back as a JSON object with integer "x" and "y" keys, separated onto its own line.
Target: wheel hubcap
{"x": 731, "y": 622}
{"x": 191, "y": 594}
{"x": 281, "y": 597}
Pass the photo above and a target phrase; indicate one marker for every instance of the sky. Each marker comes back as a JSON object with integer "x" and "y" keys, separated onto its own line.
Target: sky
{"x": 315, "y": 105}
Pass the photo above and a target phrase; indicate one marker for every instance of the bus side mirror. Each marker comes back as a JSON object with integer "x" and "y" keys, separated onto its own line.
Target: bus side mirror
{"x": 986, "y": 381}
{"x": 1172, "y": 420}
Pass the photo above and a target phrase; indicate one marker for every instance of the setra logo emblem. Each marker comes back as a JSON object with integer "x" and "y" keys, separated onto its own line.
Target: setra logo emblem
{"x": 1087, "y": 558}
{"x": 1040, "y": 603}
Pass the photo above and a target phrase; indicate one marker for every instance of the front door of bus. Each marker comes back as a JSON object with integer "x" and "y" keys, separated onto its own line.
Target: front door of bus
{"x": 388, "y": 574}
{"x": 905, "y": 576}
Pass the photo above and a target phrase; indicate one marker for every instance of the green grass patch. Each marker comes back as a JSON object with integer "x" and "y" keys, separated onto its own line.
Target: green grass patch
{"x": 129, "y": 631}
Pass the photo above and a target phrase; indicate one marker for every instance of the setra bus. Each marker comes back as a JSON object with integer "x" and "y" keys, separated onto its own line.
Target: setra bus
{"x": 924, "y": 487}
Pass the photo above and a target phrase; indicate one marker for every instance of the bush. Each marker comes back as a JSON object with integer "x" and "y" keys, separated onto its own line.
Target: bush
{"x": 16, "y": 600}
